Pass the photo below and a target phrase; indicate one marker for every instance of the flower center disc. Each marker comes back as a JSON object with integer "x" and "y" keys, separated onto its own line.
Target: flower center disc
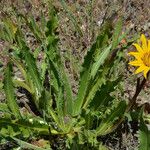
{"x": 146, "y": 59}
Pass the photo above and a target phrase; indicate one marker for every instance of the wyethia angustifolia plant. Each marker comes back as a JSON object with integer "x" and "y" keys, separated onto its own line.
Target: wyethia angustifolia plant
{"x": 51, "y": 110}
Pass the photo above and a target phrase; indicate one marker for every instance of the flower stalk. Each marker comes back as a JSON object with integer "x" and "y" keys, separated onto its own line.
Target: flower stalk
{"x": 139, "y": 87}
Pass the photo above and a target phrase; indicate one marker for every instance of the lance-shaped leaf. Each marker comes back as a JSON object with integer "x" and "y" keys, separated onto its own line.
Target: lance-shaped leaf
{"x": 35, "y": 124}
{"x": 21, "y": 67}
{"x": 95, "y": 87}
{"x": 103, "y": 96}
{"x": 20, "y": 83}
{"x": 26, "y": 145}
{"x": 68, "y": 90}
{"x": 33, "y": 71}
{"x": 107, "y": 124}
{"x": 35, "y": 28}
{"x": 144, "y": 136}
{"x": 9, "y": 92}
{"x": 116, "y": 34}
{"x": 85, "y": 75}
{"x": 84, "y": 79}
{"x": 60, "y": 80}
{"x": 60, "y": 105}
{"x": 101, "y": 59}
{"x": 4, "y": 108}
{"x": 9, "y": 29}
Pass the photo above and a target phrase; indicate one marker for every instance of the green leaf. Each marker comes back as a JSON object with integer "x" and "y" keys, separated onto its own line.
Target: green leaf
{"x": 34, "y": 28}
{"x": 33, "y": 71}
{"x": 20, "y": 83}
{"x": 43, "y": 21}
{"x": 144, "y": 136}
{"x": 29, "y": 124}
{"x": 82, "y": 92}
{"x": 26, "y": 145}
{"x": 9, "y": 29}
{"x": 84, "y": 79}
{"x": 102, "y": 57}
{"x": 21, "y": 68}
{"x": 52, "y": 23}
{"x": 9, "y": 92}
{"x": 107, "y": 124}
{"x": 60, "y": 80}
{"x": 45, "y": 101}
{"x": 60, "y": 105}
{"x": 44, "y": 67}
{"x": 102, "y": 147}
{"x": 56, "y": 119}
{"x": 116, "y": 34}
{"x": 102, "y": 96}
{"x": 4, "y": 108}
{"x": 56, "y": 81}
{"x": 85, "y": 75}
{"x": 95, "y": 86}
{"x": 68, "y": 90}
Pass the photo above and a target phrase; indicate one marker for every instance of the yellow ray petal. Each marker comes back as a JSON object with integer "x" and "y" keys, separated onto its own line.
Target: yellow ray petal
{"x": 146, "y": 70}
{"x": 138, "y": 47}
{"x": 144, "y": 42}
{"x": 136, "y": 63}
{"x": 135, "y": 54}
{"x": 140, "y": 69}
{"x": 148, "y": 45}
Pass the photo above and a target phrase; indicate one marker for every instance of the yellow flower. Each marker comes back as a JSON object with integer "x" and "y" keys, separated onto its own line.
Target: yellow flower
{"x": 142, "y": 56}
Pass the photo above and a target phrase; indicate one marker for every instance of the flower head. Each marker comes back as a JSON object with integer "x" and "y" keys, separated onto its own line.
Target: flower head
{"x": 142, "y": 56}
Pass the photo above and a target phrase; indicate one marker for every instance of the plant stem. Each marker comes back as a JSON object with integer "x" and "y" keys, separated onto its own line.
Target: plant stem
{"x": 139, "y": 87}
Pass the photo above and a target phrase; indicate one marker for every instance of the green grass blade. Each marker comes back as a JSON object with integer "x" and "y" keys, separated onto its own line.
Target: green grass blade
{"x": 9, "y": 92}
